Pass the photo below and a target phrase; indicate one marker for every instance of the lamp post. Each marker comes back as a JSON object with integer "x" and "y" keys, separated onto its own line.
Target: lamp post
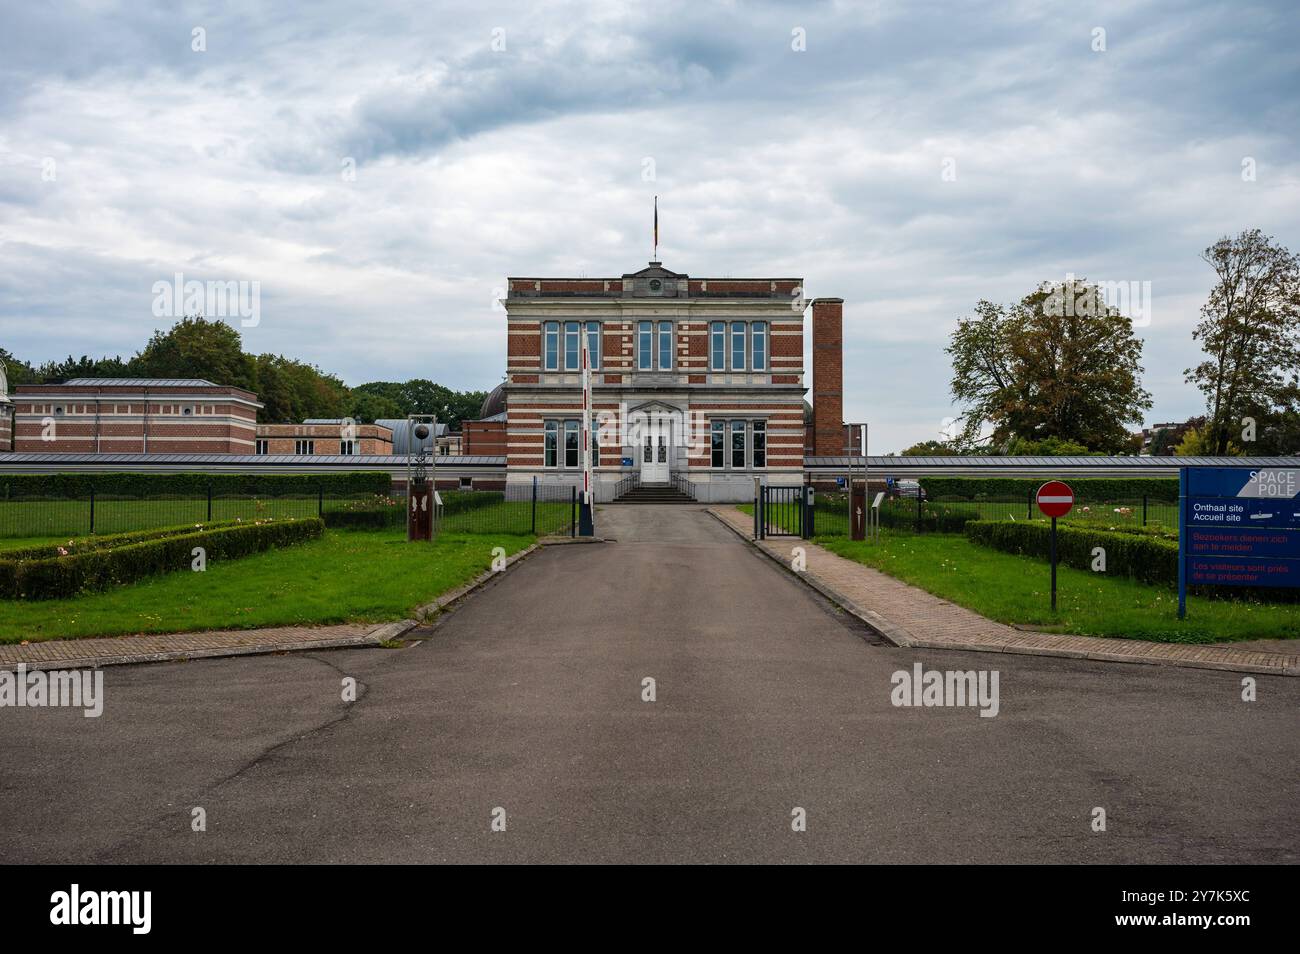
{"x": 421, "y": 477}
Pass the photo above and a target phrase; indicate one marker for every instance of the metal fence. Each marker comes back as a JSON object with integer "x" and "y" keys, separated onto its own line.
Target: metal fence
{"x": 949, "y": 514}
{"x": 537, "y": 509}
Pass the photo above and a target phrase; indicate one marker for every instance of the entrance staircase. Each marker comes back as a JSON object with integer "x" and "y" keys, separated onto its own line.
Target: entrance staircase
{"x": 677, "y": 491}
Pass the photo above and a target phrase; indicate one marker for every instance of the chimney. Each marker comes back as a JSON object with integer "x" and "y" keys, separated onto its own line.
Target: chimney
{"x": 828, "y": 376}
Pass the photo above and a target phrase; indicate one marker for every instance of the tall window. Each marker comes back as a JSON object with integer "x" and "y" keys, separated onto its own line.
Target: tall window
{"x": 593, "y": 344}
{"x": 552, "y": 443}
{"x": 347, "y": 448}
{"x": 760, "y": 443}
{"x": 571, "y": 346}
{"x": 717, "y": 435}
{"x": 718, "y": 347}
{"x": 551, "y": 345}
{"x": 738, "y": 444}
{"x": 304, "y": 447}
{"x": 262, "y": 447}
{"x": 643, "y": 351}
{"x": 737, "y": 346}
{"x": 665, "y": 346}
{"x": 595, "y": 446}
{"x": 571, "y": 444}
{"x": 758, "y": 345}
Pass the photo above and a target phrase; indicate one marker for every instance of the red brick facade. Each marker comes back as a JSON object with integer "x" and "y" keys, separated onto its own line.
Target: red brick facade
{"x": 324, "y": 439}
{"x": 93, "y": 416}
{"x": 828, "y": 377}
{"x": 683, "y": 363}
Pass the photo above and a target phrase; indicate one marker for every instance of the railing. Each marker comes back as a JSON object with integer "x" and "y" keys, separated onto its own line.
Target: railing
{"x": 627, "y": 484}
{"x": 682, "y": 485}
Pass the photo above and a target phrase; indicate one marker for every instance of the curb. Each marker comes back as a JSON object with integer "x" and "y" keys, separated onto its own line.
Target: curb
{"x": 369, "y": 640}
{"x": 903, "y": 638}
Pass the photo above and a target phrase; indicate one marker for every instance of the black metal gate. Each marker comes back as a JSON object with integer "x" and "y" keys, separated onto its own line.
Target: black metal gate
{"x": 782, "y": 512}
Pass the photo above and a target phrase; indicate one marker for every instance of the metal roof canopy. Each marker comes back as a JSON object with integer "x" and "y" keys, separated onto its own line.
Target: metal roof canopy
{"x": 139, "y": 383}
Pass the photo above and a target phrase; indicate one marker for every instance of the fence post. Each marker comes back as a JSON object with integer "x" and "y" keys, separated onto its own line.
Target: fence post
{"x": 92, "y": 508}
{"x": 209, "y": 501}
{"x": 1029, "y": 507}
{"x": 918, "y": 509}
{"x": 1144, "y": 510}
{"x": 762, "y": 511}
{"x": 534, "y": 530}
{"x": 320, "y": 500}
{"x": 573, "y": 511}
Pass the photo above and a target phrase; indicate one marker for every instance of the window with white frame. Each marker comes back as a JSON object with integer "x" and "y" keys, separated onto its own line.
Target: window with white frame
{"x": 737, "y": 346}
{"x": 644, "y": 351}
{"x": 262, "y": 447}
{"x": 571, "y": 443}
{"x": 551, "y": 458}
{"x": 571, "y": 346}
{"x": 758, "y": 345}
{"x": 738, "y": 444}
{"x": 665, "y": 346}
{"x": 593, "y": 344}
{"x": 718, "y": 346}
{"x": 304, "y": 447}
{"x": 717, "y": 440}
{"x": 759, "y": 441}
{"x": 348, "y": 448}
{"x": 551, "y": 346}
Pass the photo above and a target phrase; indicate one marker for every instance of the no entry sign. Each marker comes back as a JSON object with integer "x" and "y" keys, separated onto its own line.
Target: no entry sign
{"x": 1055, "y": 499}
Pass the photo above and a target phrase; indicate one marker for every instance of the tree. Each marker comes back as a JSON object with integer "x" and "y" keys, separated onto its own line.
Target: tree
{"x": 196, "y": 348}
{"x": 930, "y": 449}
{"x": 1060, "y": 364}
{"x": 1250, "y": 333}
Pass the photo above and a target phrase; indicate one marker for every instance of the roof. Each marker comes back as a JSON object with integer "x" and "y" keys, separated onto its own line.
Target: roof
{"x": 494, "y": 403}
{"x": 142, "y": 382}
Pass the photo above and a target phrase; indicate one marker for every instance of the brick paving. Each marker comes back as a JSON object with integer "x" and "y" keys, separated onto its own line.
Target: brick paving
{"x": 76, "y": 653}
{"x": 908, "y": 616}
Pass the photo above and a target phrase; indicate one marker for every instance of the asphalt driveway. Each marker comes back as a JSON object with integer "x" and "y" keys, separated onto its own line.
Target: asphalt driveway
{"x": 529, "y": 699}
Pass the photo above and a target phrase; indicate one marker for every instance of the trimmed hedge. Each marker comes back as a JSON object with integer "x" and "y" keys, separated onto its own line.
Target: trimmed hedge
{"x": 108, "y": 540}
{"x": 1144, "y": 557}
{"x": 1085, "y": 489}
{"x": 79, "y": 486}
{"x": 98, "y": 569}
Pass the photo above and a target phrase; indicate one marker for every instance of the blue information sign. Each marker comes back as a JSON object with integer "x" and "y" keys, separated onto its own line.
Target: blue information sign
{"x": 1238, "y": 526}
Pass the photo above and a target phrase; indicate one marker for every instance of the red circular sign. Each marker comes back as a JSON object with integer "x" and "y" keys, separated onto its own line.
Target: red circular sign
{"x": 1055, "y": 498}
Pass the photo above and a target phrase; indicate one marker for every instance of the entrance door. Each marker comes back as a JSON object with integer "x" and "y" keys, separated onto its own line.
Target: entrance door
{"x": 654, "y": 451}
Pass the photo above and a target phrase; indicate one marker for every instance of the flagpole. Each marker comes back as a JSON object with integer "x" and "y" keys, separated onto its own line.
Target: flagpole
{"x": 655, "y": 256}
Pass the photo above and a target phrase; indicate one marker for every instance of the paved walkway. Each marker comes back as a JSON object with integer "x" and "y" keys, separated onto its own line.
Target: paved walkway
{"x": 908, "y": 616}
{"x": 76, "y": 653}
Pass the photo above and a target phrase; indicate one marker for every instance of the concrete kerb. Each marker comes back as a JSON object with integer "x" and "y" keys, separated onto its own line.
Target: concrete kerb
{"x": 899, "y": 636}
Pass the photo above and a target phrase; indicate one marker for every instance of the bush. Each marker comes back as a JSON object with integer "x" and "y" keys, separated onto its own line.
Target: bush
{"x": 1085, "y": 489}
{"x": 108, "y": 540}
{"x": 1143, "y": 556}
{"x": 79, "y": 486}
{"x": 374, "y": 513}
{"x": 100, "y": 568}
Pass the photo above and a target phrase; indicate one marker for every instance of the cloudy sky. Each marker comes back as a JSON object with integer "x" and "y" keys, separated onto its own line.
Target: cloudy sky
{"x": 495, "y": 139}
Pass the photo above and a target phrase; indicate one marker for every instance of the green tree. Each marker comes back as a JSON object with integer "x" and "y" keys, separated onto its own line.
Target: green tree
{"x": 930, "y": 449}
{"x": 196, "y": 348}
{"x": 1059, "y": 364}
{"x": 1250, "y": 332}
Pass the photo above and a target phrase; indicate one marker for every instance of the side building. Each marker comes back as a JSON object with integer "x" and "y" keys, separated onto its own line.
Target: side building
{"x": 134, "y": 416}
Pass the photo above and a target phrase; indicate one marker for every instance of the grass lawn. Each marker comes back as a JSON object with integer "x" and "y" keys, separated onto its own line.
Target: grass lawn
{"x": 1016, "y": 589}
{"x": 347, "y": 576}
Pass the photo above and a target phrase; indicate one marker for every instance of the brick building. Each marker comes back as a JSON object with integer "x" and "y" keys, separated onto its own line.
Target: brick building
{"x": 699, "y": 378}
{"x": 134, "y": 416}
{"x": 324, "y": 437}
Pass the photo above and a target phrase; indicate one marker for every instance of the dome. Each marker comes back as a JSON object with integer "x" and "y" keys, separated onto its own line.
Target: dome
{"x": 494, "y": 403}
{"x": 807, "y": 412}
